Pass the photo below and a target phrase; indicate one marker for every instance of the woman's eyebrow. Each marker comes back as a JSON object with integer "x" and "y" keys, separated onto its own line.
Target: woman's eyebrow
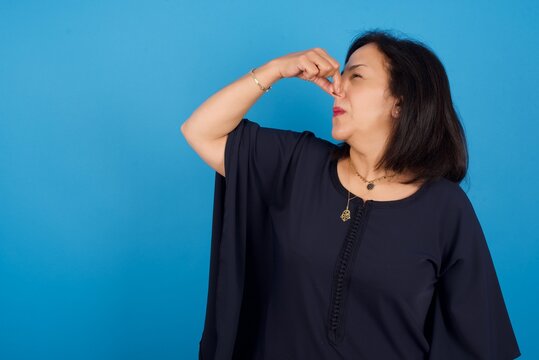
{"x": 350, "y": 67}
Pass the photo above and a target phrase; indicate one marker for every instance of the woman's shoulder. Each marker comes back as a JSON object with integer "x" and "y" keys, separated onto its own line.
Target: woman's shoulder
{"x": 445, "y": 186}
{"x": 311, "y": 145}
{"x": 281, "y": 134}
{"x": 449, "y": 195}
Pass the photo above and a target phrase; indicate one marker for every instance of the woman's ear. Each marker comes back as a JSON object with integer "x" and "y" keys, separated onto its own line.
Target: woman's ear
{"x": 395, "y": 112}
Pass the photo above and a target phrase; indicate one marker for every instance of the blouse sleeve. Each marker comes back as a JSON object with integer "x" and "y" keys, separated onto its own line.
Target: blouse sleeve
{"x": 470, "y": 319}
{"x": 258, "y": 161}
{"x": 267, "y": 154}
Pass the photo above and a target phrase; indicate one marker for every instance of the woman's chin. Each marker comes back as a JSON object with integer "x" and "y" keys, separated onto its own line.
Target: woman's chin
{"x": 338, "y": 134}
{"x": 338, "y": 131}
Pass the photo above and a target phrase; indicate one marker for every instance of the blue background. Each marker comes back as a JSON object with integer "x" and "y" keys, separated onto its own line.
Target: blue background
{"x": 105, "y": 210}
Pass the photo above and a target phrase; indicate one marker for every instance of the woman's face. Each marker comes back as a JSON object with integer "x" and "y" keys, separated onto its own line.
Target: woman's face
{"x": 365, "y": 98}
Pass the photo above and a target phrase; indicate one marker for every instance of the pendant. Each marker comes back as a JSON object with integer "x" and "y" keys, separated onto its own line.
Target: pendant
{"x": 345, "y": 215}
{"x": 370, "y": 186}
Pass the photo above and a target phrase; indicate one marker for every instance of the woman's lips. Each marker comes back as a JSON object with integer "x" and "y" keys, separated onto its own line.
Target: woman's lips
{"x": 338, "y": 111}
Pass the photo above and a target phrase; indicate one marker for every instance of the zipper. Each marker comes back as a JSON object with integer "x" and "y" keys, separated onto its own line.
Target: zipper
{"x": 341, "y": 277}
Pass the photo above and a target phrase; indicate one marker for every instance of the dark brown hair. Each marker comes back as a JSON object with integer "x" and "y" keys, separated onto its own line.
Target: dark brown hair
{"x": 427, "y": 138}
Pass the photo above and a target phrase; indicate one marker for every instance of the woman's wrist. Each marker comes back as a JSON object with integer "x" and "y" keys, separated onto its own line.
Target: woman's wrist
{"x": 267, "y": 74}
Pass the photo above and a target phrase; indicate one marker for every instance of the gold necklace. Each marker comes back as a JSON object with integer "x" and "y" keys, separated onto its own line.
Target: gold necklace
{"x": 345, "y": 215}
{"x": 370, "y": 184}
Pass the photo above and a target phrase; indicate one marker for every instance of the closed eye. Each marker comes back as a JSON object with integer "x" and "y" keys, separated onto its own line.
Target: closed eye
{"x": 354, "y": 75}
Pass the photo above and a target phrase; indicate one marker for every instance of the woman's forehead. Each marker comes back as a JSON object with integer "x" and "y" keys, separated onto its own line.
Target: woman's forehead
{"x": 366, "y": 57}
{"x": 367, "y": 54}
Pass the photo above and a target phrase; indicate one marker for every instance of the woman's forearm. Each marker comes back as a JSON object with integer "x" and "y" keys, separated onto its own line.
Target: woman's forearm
{"x": 222, "y": 112}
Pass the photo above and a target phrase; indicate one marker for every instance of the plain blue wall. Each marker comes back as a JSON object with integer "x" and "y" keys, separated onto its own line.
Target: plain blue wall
{"x": 105, "y": 210}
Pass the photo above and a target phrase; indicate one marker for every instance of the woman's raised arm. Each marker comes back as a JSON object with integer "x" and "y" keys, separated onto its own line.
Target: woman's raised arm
{"x": 207, "y": 128}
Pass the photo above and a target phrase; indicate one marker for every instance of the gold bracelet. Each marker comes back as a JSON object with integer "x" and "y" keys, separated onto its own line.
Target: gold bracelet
{"x": 257, "y": 82}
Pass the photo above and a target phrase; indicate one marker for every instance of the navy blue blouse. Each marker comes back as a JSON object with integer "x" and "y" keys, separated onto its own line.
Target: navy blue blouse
{"x": 289, "y": 279}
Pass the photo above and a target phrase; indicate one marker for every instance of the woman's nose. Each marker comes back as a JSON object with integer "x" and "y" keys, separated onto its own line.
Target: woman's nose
{"x": 343, "y": 85}
{"x": 339, "y": 93}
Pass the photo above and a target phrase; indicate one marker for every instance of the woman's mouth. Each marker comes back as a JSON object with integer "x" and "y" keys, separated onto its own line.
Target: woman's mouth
{"x": 338, "y": 111}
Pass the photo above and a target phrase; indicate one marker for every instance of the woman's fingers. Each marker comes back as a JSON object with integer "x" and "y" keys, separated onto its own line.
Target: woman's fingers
{"x": 312, "y": 65}
{"x": 337, "y": 81}
{"x": 308, "y": 67}
{"x": 325, "y": 84}
{"x": 335, "y": 72}
{"x": 324, "y": 66}
{"x": 329, "y": 67}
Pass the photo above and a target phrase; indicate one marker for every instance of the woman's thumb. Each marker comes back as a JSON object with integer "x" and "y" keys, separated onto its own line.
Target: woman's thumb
{"x": 325, "y": 84}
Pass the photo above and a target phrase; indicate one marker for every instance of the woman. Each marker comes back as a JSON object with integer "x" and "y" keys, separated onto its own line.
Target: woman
{"x": 364, "y": 250}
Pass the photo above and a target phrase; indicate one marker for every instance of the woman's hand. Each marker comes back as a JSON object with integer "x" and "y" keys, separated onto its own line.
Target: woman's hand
{"x": 312, "y": 65}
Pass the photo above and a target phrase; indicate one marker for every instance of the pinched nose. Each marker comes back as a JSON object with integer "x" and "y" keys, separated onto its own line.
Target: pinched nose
{"x": 338, "y": 87}
{"x": 338, "y": 94}
{"x": 341, "y": 91}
